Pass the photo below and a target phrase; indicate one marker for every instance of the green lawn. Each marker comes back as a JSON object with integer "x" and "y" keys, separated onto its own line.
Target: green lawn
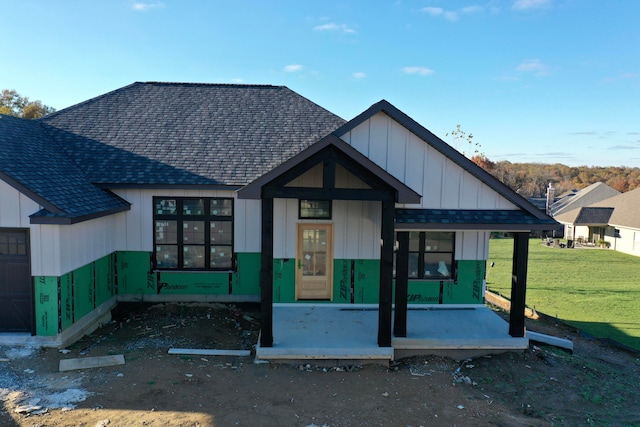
{"x": 596, "y": 290}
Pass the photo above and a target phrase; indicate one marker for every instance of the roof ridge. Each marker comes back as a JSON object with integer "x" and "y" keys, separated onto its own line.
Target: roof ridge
{"x": 157, "y": 83}
{"x": 253, "y": 85}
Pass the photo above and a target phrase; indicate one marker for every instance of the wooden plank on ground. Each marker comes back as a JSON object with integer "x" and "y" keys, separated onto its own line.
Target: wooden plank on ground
{"x": 209, "y": 352}
{"x": 91, "y": 362}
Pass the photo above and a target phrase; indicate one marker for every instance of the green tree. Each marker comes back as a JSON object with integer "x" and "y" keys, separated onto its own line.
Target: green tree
{"x": 14, "y": 104}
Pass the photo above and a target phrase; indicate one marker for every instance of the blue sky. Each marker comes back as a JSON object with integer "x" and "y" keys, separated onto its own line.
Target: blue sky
{"x": 533, "y": 80}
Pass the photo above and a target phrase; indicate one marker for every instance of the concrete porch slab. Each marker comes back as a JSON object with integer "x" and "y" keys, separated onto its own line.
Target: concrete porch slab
{"x": 308, "y": 331}
{"x": 349, "y": 332}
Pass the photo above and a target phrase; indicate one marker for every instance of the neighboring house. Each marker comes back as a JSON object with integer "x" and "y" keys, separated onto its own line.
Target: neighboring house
{"x": 614, "y": 220}
{"x": 183, "y": 192}
{"x": 594, "y": 193}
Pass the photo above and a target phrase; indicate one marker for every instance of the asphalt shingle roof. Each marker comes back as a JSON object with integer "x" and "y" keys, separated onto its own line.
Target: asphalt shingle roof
{"x": 484, "y": 219}
{"x": 188, "y": 134}
{"x": 586, "y": 197}
{"x": 586, "y": 216}
{"x": 35, "y": 163}
{"x": 626, "y": 209}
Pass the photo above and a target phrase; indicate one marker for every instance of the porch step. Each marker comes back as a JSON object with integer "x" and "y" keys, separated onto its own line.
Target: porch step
{"x": 304, "y": 353}
{"x": 499, "y": 344}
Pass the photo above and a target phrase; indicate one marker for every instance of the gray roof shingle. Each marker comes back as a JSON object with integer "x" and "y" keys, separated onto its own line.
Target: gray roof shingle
{"x": 586, "y": 216}
{"x": 626, "y": 209}
{"x": 188, "y": 134}
{"x": 477, "y": 219}
{"x": 34, "y": 164}
{"x": 586, "y": 197}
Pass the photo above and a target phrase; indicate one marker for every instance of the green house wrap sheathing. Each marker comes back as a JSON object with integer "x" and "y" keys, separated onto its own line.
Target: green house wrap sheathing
{"x": 46, "y": 307}
{"x": 66, "y": 300}
{"x": 134, "y": 275}
{"x": 284, "y": 280}
{"x": 342, "y": 281}
{"x": 468, "y": 287}
{"x": 246, "y": 281}
{"x": 366, "y": 281}
{"x": 423, "y": 292}
{"x": 186, "y": 283}
{"x": 104, "y": 279}
{"x": 83, "y": 291}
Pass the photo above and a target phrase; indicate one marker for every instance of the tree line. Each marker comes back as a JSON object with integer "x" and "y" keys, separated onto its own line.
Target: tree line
{"x": 532, "y": 179}
{"x": 14, "y": 104}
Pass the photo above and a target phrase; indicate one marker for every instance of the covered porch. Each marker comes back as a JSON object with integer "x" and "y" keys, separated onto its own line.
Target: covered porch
{"x": 349, "y": 333}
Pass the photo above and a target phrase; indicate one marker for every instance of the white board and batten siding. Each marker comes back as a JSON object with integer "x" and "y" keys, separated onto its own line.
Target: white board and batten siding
{"x": 15, "y": 207}
{"x": 138, "y": 222}
{"x": 15, "y": 210}
{"x": 356, "y": 230}
{"x": 442, "y": 183}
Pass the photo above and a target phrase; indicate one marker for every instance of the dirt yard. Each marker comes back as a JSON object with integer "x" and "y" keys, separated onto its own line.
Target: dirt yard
{"x": 542, "y": 386}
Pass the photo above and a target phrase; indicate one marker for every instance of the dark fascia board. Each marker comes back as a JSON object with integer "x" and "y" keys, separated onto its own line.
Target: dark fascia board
{"x": 30, "y": 194}
{"x": 477, "y": 227}
{"x": 444, "y": 148}
{"x": 253, "y": 190}
{"x": 66, "y": 220}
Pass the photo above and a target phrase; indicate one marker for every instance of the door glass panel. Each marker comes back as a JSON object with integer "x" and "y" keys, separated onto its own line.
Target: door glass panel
{"x": 314, "y": 254}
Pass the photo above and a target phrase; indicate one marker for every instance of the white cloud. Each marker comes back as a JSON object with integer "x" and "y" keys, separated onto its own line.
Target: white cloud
{"x": 433, "y": 11}
{"x": 145, "y": 6}
{"x": 332, "y": 26}
{"x": 359, "y": 75}
{"x": 293, "y": 68}
{"x": 422, "y": 71}
{"x": 472, "y": 9}
{"x": 438, "y": 11}
{"x": 535, "y": 66}
{"x": 530, "y": 4}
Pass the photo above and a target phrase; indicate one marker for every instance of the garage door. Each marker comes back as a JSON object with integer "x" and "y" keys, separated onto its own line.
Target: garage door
{"x": 16, "y": 299}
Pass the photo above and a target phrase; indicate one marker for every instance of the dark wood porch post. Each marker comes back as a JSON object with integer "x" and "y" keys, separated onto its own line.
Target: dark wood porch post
{"x": 386, "y": 274}
{"x": 402, "y": 285}
{"x": 519, "y": 284}
{"x": 266, "y": 275}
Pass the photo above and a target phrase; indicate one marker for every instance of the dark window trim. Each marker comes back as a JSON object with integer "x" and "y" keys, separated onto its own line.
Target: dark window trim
{"x": 330, "y": 209}
{"x": 421, "y": 254}
{"x": 207, "y": 218}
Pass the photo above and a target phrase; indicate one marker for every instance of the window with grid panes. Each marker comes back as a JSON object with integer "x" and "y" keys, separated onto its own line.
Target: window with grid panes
{"x": 193, "y": 233}
{"x": 431, "y": 255}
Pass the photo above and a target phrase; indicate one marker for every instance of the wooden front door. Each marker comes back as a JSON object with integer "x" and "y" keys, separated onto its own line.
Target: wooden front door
{"x": 16, "y": 314}
{"x": 314, "y": 272}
